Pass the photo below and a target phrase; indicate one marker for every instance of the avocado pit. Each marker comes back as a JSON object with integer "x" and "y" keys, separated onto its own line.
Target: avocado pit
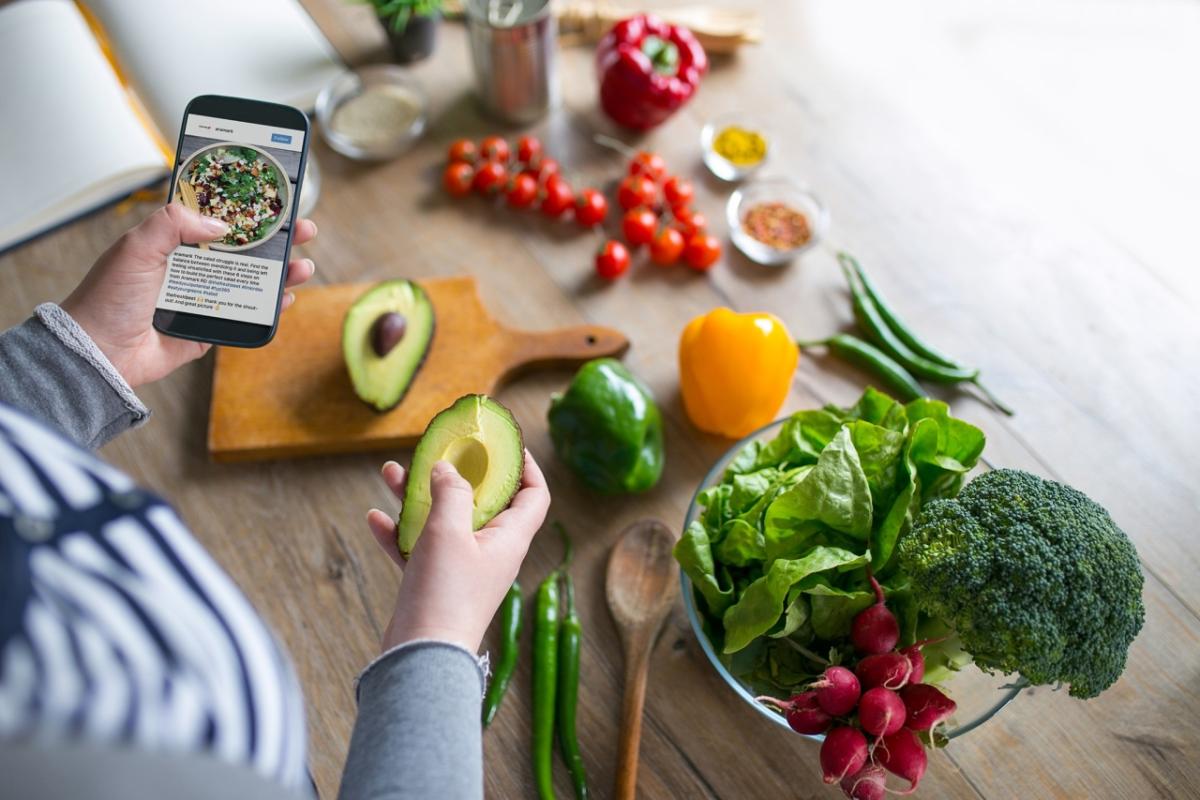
{"x": 387, "y": 332}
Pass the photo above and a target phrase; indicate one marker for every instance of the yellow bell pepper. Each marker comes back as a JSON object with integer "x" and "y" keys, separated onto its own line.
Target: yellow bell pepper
{"x": 735, "y": 370}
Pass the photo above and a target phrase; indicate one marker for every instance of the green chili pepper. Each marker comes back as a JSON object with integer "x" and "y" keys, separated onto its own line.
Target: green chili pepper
{"x": 855, "y": 350}
{"x": 510, "y": 635}
{"x": 569, "y": 638}
{"x": 903, "y": 334}
{"x": 545, "y": 679}
{"x": 872, "y": 321}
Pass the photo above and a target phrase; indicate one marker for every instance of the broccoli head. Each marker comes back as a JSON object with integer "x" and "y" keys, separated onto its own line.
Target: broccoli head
{"x": 1034, "y": 576}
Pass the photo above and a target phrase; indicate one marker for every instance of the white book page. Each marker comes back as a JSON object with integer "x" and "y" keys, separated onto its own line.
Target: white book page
{"x": 174, "y": 50}
{"x": 69, "y": 139}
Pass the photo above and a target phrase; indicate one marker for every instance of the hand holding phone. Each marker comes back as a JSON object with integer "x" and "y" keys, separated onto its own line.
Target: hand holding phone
{"x": 114, "y": 304}
{"x": 241, "y": 162}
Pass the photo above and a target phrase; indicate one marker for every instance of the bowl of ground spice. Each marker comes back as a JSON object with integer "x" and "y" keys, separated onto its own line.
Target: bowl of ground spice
{"x": 372, "y": 114}
{"x": 734, "y": 146}
{"x": 774, "y": 220}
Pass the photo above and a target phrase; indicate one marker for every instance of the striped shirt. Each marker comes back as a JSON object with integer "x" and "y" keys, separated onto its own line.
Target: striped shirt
{"x": 117, "y": 627}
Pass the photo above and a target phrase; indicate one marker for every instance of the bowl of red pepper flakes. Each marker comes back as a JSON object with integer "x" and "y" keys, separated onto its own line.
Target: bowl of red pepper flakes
{"x": 773, "y": 220}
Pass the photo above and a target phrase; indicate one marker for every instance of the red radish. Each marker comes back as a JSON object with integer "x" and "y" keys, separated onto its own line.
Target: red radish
{"x": 881, "y": 712}
{"x": 875, "y": 629}
{"x": 844, "y": 752}
{"x": 927, "y": 706}
{"x": 917, "y": 660}
{"x": 802, "y": 712}
{"x": 902, "y": 754}
{"x": 869, "y": 783}
{"x": 889, "y": 670}
{"x": 837, "y": 691}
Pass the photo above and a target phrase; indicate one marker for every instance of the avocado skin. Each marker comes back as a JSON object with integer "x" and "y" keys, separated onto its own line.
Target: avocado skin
{"x": 607, "y": 428}
{"x": 425, "y": 455}
{"x": 357, "y": 340}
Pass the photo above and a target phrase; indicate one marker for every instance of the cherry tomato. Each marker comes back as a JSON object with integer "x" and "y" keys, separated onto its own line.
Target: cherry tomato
{"x": 528, "y": 149}
{"x": 690, "y": 223}
{"x": 591, "y": 207}
{"x": 522, "y": 191}
{"x": 702, "y": 251}
{"x": 649, "y": 164}
{"x": 639, "y": 225}
{"x": 494, "y": 148}
{"x": 636, "y": 190}
{"x": 463, "y": 150}
{"x": 678, "y": 192}
{"x": 666, "y": 247}
{"x": 545, "y": 168}
{"x": 457, "y": 178}
{"x": 489, "y": 177}
{"x": 612, "y": 260}
{"x": 558, "y": 197}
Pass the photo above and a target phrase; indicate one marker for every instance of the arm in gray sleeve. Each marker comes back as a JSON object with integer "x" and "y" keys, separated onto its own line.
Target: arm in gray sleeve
{"x": 53, "y": 371}
{"x": 418, "y": 732}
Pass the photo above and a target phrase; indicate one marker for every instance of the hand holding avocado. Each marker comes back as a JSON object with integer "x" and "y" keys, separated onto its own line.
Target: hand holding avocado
{"x": 458, "y": 572}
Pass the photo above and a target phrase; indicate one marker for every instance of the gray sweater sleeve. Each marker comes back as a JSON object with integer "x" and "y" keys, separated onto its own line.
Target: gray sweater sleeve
{"x": 52, "y": 370}
{"x": 418, "y": 732}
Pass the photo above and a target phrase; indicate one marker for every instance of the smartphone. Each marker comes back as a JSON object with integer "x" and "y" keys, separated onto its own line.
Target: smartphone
{"x": 240, "y": 161}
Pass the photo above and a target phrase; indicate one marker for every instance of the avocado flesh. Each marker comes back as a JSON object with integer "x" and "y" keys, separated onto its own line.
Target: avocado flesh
{"x": 381, "y": 381}
{"x": 482, "y": 440}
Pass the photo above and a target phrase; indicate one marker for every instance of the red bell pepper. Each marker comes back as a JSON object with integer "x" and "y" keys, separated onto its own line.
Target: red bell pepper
{"x": 647, "y": 70}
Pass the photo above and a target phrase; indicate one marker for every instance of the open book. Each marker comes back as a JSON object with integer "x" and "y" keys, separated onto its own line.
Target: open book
{"x": 92, "y": 93}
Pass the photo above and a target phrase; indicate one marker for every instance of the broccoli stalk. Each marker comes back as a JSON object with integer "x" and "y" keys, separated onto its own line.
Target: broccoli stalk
{"x": 1034, "y": 576}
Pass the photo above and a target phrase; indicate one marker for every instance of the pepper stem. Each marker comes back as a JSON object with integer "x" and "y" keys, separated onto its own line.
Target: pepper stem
{"x": 614, "y": 144}
{"x": 663, "y": 54}
{"x": 568, "y": 548}
{"x": 992, "y": 398}
{"x": 802, "y": 343}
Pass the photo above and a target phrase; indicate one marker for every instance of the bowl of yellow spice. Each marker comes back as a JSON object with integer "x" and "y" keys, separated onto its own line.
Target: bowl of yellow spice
{"x": 734, "y": 146}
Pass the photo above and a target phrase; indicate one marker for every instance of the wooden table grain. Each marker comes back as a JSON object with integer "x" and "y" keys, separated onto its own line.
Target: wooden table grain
{"x": 968, "y": 188}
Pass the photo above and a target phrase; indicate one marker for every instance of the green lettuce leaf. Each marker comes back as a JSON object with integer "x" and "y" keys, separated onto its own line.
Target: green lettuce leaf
{"x": 761, "y": 604}
{"x": 694, "y": 554}
{"x": 834, "y": 494}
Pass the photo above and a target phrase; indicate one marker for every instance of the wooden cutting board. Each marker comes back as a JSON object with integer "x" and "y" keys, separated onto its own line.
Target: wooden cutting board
{"x": 294, "y": 398}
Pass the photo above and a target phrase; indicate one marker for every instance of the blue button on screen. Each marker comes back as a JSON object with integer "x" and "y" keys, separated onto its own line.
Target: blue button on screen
{"x": 283, "y": 138}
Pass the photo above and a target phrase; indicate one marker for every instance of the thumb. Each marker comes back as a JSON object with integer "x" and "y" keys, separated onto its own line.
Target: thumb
{"x": 451, "y": 503}
{"x": 165, "y": 229}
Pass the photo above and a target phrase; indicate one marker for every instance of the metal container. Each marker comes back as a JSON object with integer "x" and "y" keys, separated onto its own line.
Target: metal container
{"x": 513, "y": 46}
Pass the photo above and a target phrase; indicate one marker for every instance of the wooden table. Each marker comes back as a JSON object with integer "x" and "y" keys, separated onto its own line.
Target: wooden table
{"x": 1087, "y": 327}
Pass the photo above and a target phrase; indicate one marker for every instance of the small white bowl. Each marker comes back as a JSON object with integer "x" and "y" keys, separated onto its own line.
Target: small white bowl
{"x": 770, "y": 190}
{"x": 351, "y": 84}
{"x": 720, "y": 166}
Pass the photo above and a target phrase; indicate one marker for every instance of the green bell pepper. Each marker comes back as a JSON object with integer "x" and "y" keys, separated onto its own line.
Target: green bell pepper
{"x": 607, "y": 428}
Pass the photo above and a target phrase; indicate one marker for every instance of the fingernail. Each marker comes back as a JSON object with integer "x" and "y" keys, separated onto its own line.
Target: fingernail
{"x": 443, "y": 468}
{"x": 291, "y": 298}
{"x": 387, "y": 464}
{"x": 312, "y": 266}
{"x": 213, "y": 226}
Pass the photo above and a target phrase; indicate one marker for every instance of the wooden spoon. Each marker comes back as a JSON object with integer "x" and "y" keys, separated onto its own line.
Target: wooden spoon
{"x": 641, "y": 588}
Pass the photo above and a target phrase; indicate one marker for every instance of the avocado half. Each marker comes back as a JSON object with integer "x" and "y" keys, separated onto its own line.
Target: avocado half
{"x": 385, "y": 337}
{"x": 483, "y": 441}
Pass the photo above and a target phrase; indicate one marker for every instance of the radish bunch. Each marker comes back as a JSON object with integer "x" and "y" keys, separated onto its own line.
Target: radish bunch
{"x": 870, "y": 715}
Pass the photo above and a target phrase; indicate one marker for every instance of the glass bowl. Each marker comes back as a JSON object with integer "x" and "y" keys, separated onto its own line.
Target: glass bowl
{"x": 383, "y": 145}
{"x": 770, "y": 190}
{"x": 720, "y": 166}
{"x": 979, "y": 696}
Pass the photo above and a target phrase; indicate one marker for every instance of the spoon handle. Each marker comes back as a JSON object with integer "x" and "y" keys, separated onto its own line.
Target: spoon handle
{"x": 637, "y": 667}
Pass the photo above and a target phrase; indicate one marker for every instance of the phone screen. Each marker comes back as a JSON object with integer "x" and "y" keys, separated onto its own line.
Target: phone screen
{"x": 244, "y": 174}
